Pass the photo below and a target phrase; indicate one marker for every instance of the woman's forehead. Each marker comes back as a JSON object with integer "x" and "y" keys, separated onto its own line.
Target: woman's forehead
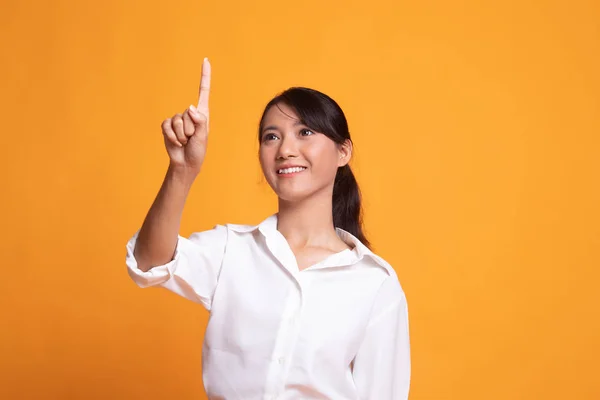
{"x": 281, "y": 113}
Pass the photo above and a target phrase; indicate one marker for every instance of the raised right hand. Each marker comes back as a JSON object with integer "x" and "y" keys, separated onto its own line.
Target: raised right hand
{"x": 186, "y": 134}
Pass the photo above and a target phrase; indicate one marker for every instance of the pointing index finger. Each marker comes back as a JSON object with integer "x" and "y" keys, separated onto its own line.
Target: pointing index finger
{"x": 204, "y": 87}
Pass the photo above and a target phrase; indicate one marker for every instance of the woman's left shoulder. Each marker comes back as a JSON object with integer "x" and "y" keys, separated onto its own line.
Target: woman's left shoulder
{"x": 390, "y": 285}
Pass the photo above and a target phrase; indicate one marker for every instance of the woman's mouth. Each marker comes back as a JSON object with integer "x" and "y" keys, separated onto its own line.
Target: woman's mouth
{"x": 290, "y": 171}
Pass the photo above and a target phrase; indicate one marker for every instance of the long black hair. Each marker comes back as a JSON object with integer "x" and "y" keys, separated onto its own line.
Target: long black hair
{"x": 320, "y": 112}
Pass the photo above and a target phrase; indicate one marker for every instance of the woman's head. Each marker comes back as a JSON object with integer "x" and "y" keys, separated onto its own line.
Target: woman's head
{"x": 305, "y": 148}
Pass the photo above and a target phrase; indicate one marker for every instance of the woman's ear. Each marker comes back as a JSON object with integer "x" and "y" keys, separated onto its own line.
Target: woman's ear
{"x": 345, "y": 153}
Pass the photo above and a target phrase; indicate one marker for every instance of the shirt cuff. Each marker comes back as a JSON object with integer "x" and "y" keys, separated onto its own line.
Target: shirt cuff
{"x": 154, "y": 276}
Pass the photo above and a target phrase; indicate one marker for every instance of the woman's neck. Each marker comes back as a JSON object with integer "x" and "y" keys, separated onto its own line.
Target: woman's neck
{"x": 308, "y": 223}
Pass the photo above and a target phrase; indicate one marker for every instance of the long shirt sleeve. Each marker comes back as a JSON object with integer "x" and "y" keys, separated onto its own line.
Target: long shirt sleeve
{"x": 381, "y": 368}
{"x": 194, "y": 270}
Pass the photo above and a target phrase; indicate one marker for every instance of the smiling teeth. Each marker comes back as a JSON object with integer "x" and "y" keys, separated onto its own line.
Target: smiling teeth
{"x": 290, "y": 170}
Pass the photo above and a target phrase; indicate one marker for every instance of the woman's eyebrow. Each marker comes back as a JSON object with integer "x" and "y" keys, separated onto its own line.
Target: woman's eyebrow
{"x": 270, "y": 128}
{"x": 275, "y": 128}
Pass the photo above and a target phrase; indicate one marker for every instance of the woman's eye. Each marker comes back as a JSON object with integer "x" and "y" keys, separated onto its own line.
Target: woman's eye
{"x": 269, "y": 136}
{"x": 306, "y": 132}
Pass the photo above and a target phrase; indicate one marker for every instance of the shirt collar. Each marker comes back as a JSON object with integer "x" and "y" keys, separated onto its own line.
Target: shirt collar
{"x": 268, "y": 227}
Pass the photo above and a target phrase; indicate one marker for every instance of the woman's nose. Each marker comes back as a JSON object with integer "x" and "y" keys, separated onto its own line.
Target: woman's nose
{"x": 288, "y": 148}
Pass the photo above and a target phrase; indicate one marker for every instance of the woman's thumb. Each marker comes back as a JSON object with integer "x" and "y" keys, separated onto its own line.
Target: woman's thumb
{"x": 196, "y": 116}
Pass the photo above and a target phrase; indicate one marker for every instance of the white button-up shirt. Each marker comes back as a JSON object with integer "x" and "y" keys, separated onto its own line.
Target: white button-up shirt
{"x": 335, "y": 330}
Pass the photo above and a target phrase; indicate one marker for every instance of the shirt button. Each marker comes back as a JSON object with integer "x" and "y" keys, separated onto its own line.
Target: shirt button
{"x": 281, "y": 360}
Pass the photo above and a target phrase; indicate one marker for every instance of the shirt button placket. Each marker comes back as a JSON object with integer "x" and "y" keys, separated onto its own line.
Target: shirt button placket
{"x": 286, "y": 339}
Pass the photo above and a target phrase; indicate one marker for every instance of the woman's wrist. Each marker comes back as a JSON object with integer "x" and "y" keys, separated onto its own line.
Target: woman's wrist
{"x": 181, "y": 175}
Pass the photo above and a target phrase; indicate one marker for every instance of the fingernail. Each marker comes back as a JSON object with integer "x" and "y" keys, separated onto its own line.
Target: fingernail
{"x": 193, "y": 109}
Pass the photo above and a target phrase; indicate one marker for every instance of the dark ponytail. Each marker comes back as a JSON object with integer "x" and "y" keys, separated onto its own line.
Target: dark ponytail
{"x": 347, "y": 210}
{"x": 321, "y": 113}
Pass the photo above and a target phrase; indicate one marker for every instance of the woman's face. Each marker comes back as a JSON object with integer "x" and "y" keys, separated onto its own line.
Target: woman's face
{"x": 297, "y": 161}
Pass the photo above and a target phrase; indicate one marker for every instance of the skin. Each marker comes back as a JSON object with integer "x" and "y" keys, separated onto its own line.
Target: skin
{"x": 185, "y": 136}
{"x": 305, "y": 201}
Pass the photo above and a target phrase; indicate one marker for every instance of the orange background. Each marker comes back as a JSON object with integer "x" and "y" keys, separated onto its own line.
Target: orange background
{"x": 477, "y": 133}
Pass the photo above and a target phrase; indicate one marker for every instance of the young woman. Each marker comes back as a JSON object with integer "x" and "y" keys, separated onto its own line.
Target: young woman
{"x": 300, "y": 308}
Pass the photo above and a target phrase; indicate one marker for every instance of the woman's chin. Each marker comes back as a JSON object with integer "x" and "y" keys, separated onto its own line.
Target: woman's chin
{"x": 292, "y": 195}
